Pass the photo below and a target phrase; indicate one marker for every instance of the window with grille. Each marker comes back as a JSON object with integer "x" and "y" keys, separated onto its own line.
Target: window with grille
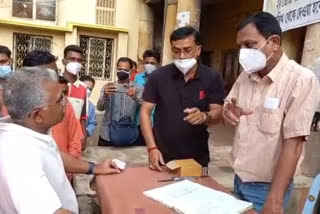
{"x": 24, "y": 43}
{"x": 35, "y": 9}
{"x": 97, "y": 56}
{"x": 105, "y": 14}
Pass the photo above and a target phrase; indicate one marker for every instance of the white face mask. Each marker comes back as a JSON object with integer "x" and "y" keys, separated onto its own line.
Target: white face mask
{"x": 253, "y": 60}
{"x": 184, "y": 65}
{"x": 149, "y": 68}
{"x": 74, "y": 67}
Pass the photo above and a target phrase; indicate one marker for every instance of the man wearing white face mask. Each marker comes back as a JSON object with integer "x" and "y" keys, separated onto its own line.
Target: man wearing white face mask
{"x": 272, "y": 105}
{"x": 77, "y": 90}
{"x": 187, "y": 97}
{"x": 92, "y": 120}
{"x": 151, "y": 61}
{"x": 5, "y": 72}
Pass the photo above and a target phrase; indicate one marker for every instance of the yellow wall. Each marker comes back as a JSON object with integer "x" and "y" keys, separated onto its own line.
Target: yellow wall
{"x": 6, "y": 38}
{"x": 84, "y": 11}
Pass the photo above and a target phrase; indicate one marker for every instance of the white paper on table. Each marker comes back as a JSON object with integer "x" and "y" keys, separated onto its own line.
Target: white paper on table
{"x": 188, "y": 197}
{"x": 183, "y": 18}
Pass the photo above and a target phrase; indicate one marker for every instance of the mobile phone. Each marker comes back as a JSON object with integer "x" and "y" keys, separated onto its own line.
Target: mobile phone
{"x": 122, "y": 88}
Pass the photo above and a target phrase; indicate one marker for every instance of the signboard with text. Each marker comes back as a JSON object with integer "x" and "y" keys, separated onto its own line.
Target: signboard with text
{"x": 294, "y": 13}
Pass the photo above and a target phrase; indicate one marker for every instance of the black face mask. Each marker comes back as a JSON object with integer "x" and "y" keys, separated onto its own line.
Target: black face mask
{"x": 122, "y": 75}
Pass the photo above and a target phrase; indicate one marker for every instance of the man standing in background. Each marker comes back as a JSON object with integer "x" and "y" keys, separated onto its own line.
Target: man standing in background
{"x": 77, "y": 90}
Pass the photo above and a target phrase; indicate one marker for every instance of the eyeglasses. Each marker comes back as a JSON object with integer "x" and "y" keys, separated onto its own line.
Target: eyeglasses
{"x": 189, "y": 51}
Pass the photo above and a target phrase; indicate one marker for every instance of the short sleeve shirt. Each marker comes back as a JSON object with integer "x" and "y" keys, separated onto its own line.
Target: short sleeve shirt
{"x": 166, "y": 87}
{"x": 32, "y": 176}
{"x": 283, "y": 104}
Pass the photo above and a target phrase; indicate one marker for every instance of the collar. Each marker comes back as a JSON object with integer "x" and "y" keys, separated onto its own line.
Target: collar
{"x": 275, "y": 72}
{"x": 76, "y": 83}
{"x": 6, "y": 125}
{"x": 178, "y": 74}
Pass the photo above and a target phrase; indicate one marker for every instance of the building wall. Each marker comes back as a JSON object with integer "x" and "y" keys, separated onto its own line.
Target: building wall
{"x": 6, "y": 38}
{"x": 292, "y": 43}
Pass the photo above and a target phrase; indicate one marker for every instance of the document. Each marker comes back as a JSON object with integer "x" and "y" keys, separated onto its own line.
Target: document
{"x": 188, "y": 197}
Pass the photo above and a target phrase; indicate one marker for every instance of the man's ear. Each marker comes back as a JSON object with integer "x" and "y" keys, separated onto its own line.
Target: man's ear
{"x": 276, "y": 41}
{"x": 37, "y": 116}
{"x": 64, "y": 62}
{"x": 199, "y": 51}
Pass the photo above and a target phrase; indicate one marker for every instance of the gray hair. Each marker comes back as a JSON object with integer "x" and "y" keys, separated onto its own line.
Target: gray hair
{"x": 24, "y": 91}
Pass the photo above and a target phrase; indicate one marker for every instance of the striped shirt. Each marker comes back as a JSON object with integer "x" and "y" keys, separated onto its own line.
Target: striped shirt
{"x": 115, "y": 106}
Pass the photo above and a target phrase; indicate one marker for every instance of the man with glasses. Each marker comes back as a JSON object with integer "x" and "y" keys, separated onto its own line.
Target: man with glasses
{"x": 68, "y": 132}
{"x": 77, "y": 90}
{"x": 187, "y": 97}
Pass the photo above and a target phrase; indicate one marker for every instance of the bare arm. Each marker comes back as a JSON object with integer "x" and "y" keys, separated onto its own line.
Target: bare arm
{"x": 155, "y": 156}
{"x": 75, "y": 165}
{"x": 284, "y": 173}
{"x": 214, "y": 114}
{"x": 146, "y": 126}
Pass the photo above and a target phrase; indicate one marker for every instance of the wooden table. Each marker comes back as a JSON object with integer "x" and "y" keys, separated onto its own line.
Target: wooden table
{"x": 122, "y": 193}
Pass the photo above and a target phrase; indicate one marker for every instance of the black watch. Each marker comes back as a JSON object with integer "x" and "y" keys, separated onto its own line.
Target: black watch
{"x": 91, "y": 168}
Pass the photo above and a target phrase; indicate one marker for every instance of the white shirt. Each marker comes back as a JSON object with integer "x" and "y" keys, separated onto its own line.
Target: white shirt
{"x": 32, "y": 176}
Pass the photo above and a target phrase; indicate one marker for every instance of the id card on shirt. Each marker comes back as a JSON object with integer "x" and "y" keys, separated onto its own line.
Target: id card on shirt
{"x": 271, "y": 103}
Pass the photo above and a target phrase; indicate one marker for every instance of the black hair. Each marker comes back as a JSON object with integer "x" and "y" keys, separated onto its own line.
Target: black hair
{"x": 87, "y": 78}
{"x": 266, "y": 24}
{"x": 37, "y": 58}
{"x": 184, "y": 32}
{"x": 74, "y": 48}
{"x": 152, "y": 53}
{"x": 125, "y": 59}
{"x": 62, "y": 80}
{"x": 5, "y": 50}
{"x": 134, "y": 64}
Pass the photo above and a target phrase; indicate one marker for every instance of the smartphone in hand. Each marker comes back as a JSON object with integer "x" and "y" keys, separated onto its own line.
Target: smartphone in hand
{"x": 122, "y": 88}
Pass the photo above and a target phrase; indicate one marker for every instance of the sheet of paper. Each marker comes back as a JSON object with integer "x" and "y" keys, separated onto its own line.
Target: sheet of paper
{"x": 188, "y": 197}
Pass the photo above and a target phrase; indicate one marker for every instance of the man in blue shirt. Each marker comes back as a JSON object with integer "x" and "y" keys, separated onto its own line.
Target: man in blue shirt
{"x": 92, "y": 120}
{"x": 151, "y": 60}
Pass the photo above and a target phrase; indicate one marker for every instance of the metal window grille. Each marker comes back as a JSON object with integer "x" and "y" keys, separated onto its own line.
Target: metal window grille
{"x": 24, "y": 43}
{"x": 105, "y": 12}
{"x": 46, "y": 10}
{"x": 35, "y": 9}
{"x": 97, "y": 56}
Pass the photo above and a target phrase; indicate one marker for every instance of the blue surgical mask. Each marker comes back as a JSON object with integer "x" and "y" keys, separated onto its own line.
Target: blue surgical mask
{"x": 5, "y": 71}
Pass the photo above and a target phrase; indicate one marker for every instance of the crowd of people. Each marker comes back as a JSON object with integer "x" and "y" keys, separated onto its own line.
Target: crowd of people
{"x": 46, "y": 117}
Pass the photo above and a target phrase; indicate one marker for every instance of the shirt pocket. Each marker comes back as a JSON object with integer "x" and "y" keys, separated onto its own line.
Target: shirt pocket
{"x": 270, "y": 121}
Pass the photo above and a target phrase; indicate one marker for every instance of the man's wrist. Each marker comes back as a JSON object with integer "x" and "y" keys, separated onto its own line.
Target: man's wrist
{"x": 91, "y": 169}
{"x": 152, "y": 148}
{"x": 207, "y": 117}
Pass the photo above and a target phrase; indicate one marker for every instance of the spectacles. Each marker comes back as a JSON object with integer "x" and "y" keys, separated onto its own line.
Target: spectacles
{"x": 186, "y": 51}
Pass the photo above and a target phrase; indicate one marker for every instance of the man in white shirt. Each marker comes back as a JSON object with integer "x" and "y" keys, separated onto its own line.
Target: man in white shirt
{"x": 32, "y": 177}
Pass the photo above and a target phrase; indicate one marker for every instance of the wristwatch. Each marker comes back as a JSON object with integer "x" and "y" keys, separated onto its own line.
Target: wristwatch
{"x": 91, "y": 168}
